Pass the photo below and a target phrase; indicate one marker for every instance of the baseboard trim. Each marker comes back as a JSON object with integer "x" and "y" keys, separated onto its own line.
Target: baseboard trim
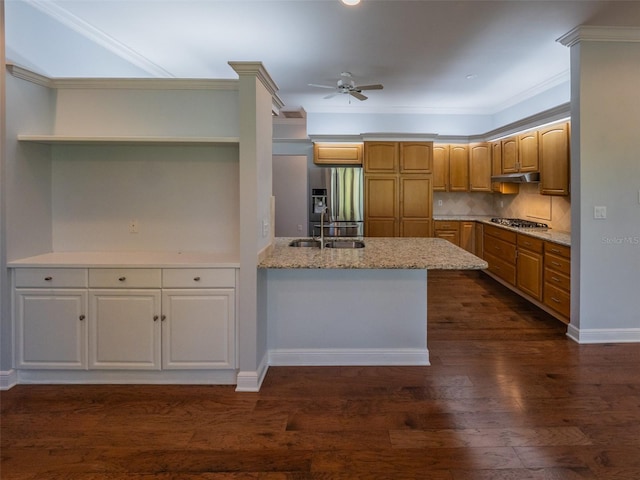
{"x": 347, "y": 357}
{"x": 251, "y": 381}
{"x": 603, "y": 335}
{"x": 8, "y": 379}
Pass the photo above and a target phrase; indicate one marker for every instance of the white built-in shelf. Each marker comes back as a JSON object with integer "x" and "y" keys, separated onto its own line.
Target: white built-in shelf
{"x": 90, "y": 140}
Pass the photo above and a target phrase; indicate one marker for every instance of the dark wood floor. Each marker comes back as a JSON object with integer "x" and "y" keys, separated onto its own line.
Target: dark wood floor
{"x": 508, "y": 396}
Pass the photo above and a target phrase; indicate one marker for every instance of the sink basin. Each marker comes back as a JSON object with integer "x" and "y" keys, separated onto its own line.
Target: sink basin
{"x": 344, "y": 244}
{"x": 305, "y": 243}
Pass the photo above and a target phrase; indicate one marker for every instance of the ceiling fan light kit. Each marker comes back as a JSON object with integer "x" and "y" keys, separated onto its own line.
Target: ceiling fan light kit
{"x": 350, "y": 3}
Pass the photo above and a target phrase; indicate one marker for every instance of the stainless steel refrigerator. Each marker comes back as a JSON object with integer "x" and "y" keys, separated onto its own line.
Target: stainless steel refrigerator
{"x": 342, "y": 191}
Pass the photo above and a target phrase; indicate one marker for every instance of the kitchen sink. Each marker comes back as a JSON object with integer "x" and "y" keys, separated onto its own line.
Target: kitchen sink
{"x": 344, "y": 244}
{"x": 328, "y": 244}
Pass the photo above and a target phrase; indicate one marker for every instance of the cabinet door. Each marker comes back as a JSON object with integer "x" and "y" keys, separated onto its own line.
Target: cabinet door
{"x": 198, "y": 329}
{"x": 479, "y": 167}
{"x": 416, "y": 157}
{"x": 415, "y": 206}
{"x": 510, "y": 155}
{"x": 554, "y": 160}
{"x": 467, "y": 236}
{"x": 458, "y": 168}
{"x": 440, "y": 168}
{"x": 380, "y": 157}
{"x": 529, "y": 273}
{"x": 479, "y": 237}
{"x": 496, "y": 169}
{"x": 124, "y": 329}
{"x": 337, "y": 153}
{"x": 51, "y": 330}
{"x": 528, "y": 152}
{"x": 381, "y": 206}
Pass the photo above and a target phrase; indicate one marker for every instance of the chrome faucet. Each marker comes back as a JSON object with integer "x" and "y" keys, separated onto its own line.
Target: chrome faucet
{"x": 320, "y": 206}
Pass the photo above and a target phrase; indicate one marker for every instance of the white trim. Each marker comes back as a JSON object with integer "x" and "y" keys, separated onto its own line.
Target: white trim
{"x": 251, "y": 381}
{"x": 592, "y": 33}
{"x": 341, "y": 357}
{"x": 8, "y": 379}
{"x": 160, "y": 377}
{"x": 603, "y": 335}
{"x": 99, "y": 37}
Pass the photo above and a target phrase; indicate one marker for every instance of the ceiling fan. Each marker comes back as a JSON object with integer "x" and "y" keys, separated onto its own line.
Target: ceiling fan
{"x": 347, "y": 86}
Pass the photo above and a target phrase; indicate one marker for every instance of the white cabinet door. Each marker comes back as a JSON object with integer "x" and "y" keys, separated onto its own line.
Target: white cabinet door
{"x": 198, "y": 328}
{"x": 124, "y": 329}
{"x": 51, "y": 330}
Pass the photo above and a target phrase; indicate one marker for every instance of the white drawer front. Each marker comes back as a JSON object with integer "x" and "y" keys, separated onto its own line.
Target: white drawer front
{"x": 51, "y": 277}
{"x": 198, "y": 277}
{"x": 125, "y": 278}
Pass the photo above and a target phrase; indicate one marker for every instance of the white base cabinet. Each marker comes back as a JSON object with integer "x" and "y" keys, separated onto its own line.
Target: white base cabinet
{"x": 132, "y": 319}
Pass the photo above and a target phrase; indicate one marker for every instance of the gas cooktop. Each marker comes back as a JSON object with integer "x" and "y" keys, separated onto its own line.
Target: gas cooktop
{"x": 518, "y": 223}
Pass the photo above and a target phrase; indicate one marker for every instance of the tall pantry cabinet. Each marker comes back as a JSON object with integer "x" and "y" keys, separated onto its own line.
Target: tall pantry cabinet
{"x": 398, "y": 189}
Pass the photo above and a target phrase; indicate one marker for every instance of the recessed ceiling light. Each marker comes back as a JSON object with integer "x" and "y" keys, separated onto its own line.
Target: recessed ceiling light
{"x": 350, "y": 2}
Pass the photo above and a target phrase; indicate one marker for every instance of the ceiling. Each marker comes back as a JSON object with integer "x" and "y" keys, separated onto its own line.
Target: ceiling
{"x": 432, "y": 56}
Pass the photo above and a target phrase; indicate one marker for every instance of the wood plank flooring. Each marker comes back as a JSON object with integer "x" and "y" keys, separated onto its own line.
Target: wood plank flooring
{"x": 507, "y": 396}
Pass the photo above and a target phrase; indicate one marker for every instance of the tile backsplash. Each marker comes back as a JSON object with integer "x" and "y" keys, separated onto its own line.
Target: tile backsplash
{"x": 527, "y": 204}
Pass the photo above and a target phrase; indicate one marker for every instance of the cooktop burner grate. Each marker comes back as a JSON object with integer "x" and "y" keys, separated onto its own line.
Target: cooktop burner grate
{"x": 518, "y": 223}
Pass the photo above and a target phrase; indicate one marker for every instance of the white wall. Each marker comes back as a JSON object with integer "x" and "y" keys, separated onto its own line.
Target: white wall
{"x": 291, "y": 197}
{"x": 183, "y": 198}
{"x": 606, "y": 169}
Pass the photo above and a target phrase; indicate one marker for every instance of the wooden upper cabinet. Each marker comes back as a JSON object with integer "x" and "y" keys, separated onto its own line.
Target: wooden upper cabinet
{"x": 479, "y": 167}
{"x": 416, "y": 157}
{"x": 496, "y": 169}
{"x": 528, "y": 152}
{"x": 337, "y": 153}
{"x": 458, "y": 168}
{"x": 510, "y": 155}
{"x": 554, "y": 159}
{"x": 381, "y": 157}
{"x": 440, "y": 167}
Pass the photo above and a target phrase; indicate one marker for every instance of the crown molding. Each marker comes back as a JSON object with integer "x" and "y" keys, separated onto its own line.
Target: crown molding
{"x": 29, "y": 76}
{"x": 258, "y": 70}
{"x": 588, "y": 33}
{"x": 88, "y": 31}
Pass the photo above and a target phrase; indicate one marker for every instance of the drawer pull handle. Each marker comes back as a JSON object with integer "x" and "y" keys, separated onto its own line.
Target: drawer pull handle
{"x": 163, "y": 318}
{"x": 82, "y": 317}
{"x": 555, "y": 279}
{"x": 555, "y": 299}
{"x": 122, "y": 279}
{"x": 155, "y": 318}
{"x": 555, "y": 263}
{"x": 555, "y": 250}
{"x": 48, "y": 279}
{"x": 196, "y": 279}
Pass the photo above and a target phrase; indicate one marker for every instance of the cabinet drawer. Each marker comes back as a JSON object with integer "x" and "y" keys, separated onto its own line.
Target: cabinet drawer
{"x": 557, "y": 299}
{"x": 557, "y": 249}
{"x": 557, "y": 279}
{"x": 529, "y": 243}
{"x": 446, "y": 225}
{"x": 500, "y": 249}
{"x": 198, "y": 277}
{"x": 501, "y": 233}
{"x": 502, "y": 269}
{"x": 125, "y": 278}
{"x": 51, "y": 277}
{"x": 555, "y": 262}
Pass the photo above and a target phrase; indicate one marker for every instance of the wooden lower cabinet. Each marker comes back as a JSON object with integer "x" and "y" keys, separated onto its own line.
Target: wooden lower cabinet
{"x": 557, "y": 279}
{"x": 415, "y": 206}
{"x": 529, "y": 265}
{"x": 460, "y": 233}
{"x": 381, "y": 205}
{"x": 500, "y": 252}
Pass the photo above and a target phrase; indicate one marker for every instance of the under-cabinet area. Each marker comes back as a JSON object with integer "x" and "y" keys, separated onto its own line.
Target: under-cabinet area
{"x": 112, "y": 320}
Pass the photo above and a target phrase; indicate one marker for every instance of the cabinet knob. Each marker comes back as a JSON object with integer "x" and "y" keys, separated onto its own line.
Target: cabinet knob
{"x": 196, "y": 279}
{"x": 155, "y": 318}
{"x": 163, "y": 318}
{"x": 48, "y": 279}
{"x": 122, "y": 279}
{"x": 82, "y": 317}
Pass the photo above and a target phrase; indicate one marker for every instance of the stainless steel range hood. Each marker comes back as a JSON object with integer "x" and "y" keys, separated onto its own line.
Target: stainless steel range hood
{"x": 528, "y": 177}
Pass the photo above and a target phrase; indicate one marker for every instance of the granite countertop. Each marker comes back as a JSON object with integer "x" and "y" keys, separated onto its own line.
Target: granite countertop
{"x": 378, "y": 253}
{"x": 551, "y": 235}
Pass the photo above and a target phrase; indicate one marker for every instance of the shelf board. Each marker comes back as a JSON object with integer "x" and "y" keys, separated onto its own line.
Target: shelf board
{"x": 91, "y": 140}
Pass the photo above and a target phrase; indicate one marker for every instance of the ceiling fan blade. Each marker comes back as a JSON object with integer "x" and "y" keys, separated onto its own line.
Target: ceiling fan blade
{"x": 331, "y": 95}
{"x": 358, "y": 95}
{"x": 320, "y": 86}
{"x": 377, "y": 86}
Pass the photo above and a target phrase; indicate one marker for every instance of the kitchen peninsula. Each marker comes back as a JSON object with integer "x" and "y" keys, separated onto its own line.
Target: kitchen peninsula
{"x": 364, "y": 306}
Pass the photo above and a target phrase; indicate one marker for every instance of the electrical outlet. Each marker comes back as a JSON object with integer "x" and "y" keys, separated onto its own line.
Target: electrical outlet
{"x": 599, "y": 212}
{"x": 299, "y": 228}
{"x": 133, "y": 226}
{"x": 265, "y": 228}
{"x": 439, "y": 203}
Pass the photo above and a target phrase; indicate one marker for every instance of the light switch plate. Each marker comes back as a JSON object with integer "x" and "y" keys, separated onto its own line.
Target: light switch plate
{"x": 599, "y": 212}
